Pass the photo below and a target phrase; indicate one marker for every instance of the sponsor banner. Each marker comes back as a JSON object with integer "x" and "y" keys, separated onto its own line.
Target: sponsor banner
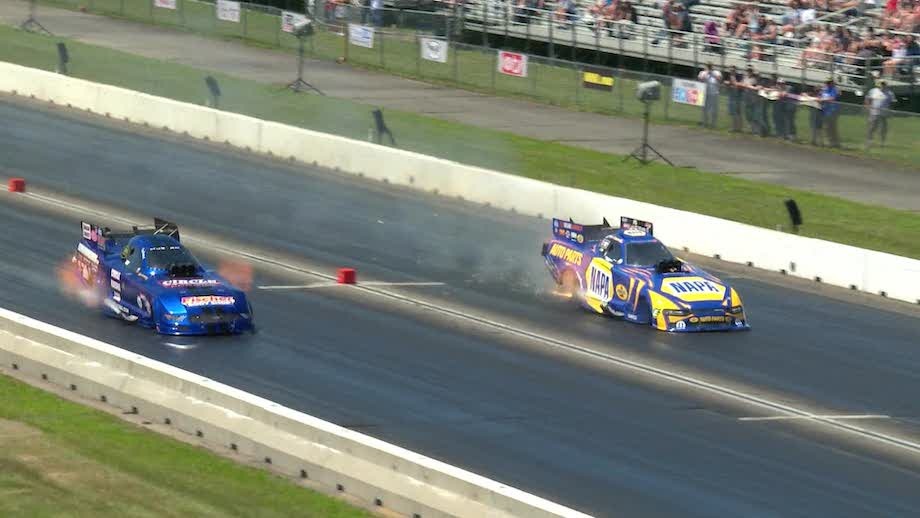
{"x": 165, "y": 4}
{"x": 228, "y": 11}
{"x": 688, "y": 92}
{"x": 289, "y": 19}
{"x": 512, "y": 63}
{"x": 434, "y": 49}
{"x": 207, "y": 300}
{"x": 361, "y": 35}
{"x": 597, "y": 78}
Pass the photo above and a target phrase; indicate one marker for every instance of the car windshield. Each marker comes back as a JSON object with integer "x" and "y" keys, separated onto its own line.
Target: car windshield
{"x": 648, "y": 253}
{"x": 163, "y": 257}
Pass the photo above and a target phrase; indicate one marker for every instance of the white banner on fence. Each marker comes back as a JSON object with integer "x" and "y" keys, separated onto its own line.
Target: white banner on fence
{"x": 228, "y": 11}
{"x": 434, "y": 49}
{"x": 688, "y": 92}
{"x": 165, "y": 4}
{"x": 512, "y": 63}
{"x": 361, "y": 35}
{"x": 289, "y": 19}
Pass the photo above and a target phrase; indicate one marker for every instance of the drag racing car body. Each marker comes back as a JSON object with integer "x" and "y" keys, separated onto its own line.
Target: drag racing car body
{"x": 146, "y": 275}
{"x": 626, "y": 272}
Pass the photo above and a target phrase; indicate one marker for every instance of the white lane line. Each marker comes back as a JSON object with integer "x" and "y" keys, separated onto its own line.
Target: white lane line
{"x": 333, "y": 284}
{"x": 813, "y": 417}
{"x": 228, "y": 248}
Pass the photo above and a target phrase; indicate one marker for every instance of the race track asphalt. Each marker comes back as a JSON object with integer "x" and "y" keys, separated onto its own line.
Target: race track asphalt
{"x": 570, "y": 431}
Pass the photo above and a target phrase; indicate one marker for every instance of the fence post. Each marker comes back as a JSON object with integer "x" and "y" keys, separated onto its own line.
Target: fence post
{"x": 620, "y": 89}
{"x": 345, "y": 42}
{"x": 485, "y": 24}
{"x": 383, "y": 63}
{"x": 150, "y": 9}
{"x": 645, "y": 48}
{"x": 577, "y": 72}
{"x": 182, "y": 13}
{"x": 667, "y": 100}
{"x": 418, "y": 55}
{"x": 494, "y": 66}
{"x": 121, "y": 7}
{"x": 696, "y": 59}
{"x": 597, "y": 44}
{"x": 245, "y": 19}
{"x": 527, "y": 35}
{"x": 533, "y": 80}
{"x": 574, "y": 41}
{"x": 455, "y": 63}
{"x": 552, "y": 44}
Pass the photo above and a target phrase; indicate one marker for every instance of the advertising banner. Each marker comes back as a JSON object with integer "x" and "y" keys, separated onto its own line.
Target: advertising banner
{"x": 165, "y": 4}
{"x": 361, "y": 35}
{"x": 688, "y": 92}
{"x": 289, "y": 19}
{"x": 434, "y": 49}
{"x": 597, "y": 78}
{"x": 512, "y": 63}
{"x": 228, "y": 11}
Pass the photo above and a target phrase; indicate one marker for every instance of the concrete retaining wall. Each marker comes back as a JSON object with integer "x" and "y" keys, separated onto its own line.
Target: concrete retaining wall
{"x": 831, "y": 263}
{"x": 294, "y": 443}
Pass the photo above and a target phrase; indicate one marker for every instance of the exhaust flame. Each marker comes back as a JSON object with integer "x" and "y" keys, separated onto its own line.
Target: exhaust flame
{"x": 70, "y": 284}
{"x": 238, "y": 273}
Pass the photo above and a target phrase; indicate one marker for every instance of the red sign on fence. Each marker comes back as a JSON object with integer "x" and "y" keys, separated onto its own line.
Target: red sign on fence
{"x": 512, "y": 63}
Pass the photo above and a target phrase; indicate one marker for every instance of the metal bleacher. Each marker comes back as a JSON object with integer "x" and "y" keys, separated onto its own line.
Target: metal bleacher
{"x": 648, "y": 39}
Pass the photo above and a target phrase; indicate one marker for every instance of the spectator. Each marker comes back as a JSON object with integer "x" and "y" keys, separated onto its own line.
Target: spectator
{"x": 764, "y": 102}
{"x": 565, "y": 13}
{"x": 713, "y": 79}
{"x": 830, "y": 111}
{"x": 791, "y": 104}
{"x": 749, "y": 97}
{"x": 377, "y": 12}
{"x": 766, "y": 33}
{"x": 898, "y": 47}
{"x": 712, "y": 41}
{"x": 878, "y": 100}
{"x": 735, "y": 83}
{"x": 812, "y": 100}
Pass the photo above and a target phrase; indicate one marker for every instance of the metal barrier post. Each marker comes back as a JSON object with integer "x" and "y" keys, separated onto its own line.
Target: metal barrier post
{"x": 645, "y": 48}
{"x": 574, "y": 42}
{"x": 455, "y": 63}
{"x": 245, "y": 19}
{"x": 485, "y": 24}
{"x": 121, "y": 7}
{"x": 552, "y": 43}
{"x": 597, "y": 45}
{"x": 577, "y": 74}
{"x": 382, "y": 58}
{"x": 418, "y": 55}
{"x": 181, "y": 12}
{"x": 494, "y": 66}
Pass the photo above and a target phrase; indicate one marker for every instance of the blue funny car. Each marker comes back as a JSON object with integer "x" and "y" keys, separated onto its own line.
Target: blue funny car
{"x": 626, "y": 272}
{"x": 146, "y": 275}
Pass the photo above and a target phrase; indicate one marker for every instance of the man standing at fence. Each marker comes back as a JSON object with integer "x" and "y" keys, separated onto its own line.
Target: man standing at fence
{"x": 713, "y": 79}
{"x": 878, "y": 100}
{"x": 749, "y": 97}
{"x": 735, "y": 83}
{"x": 377, "y": 13}
{"x": 830, "y": 110}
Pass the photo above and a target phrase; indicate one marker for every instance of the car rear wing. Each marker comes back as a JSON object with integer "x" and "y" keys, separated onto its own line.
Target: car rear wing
{"x": 633, "y": 226}
{"x": 101, "y": 236}
{"x": 580, "y": 234}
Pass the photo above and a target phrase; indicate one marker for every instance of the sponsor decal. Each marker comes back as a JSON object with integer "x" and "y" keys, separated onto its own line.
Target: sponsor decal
{"x": 433, "y": 49}
{"x": 681, "y": 325}
{"x": 621, "y": 292}
{"x": 87, "y": 229}
{"x": 738, "y": 323}
{"x": 597, "y": 78}
{"x": 512, "y": 63}
{"x": 207, "y": 300}
{"x": 116, "y": 275}
{"x": 87, "y": 253}
{"x": 144, "y": 304}
{"x": 599, "y": 283}
{"x": 632, "y": 316}
{"x": 572, "y": 226}
{"x": 580, "y": 238}
{"x": 566, "y": 254}
{"x": 693, "y": 288}
{"x": 184, "y": 283}
{"x": 635, "y": 232}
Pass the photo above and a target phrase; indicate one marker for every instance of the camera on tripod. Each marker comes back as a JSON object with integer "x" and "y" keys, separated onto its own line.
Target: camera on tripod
{"x": 303, "y": 28}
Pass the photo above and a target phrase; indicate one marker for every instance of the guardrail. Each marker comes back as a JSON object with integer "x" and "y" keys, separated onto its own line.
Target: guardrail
{"x": 296, "y": 444}
{"x": 823, "y": 261}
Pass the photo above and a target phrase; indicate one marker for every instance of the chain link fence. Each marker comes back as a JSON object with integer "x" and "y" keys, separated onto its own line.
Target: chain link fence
{"x": 427, "y": 45}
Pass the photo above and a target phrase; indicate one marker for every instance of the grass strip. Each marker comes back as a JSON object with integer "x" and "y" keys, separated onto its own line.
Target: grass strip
{"x": 64, "y": 459}
{"x": 722, "y": 196}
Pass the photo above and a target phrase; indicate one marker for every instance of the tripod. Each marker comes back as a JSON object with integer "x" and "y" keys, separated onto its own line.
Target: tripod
{"x": 31, "y": 24}
{"x": 641, "y": 152}
{"x": 299, "y": 85}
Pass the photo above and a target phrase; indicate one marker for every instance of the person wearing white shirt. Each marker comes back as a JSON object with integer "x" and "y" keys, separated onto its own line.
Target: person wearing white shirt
{"x": 877, "y": 102}
{"x": 713, "y": 81}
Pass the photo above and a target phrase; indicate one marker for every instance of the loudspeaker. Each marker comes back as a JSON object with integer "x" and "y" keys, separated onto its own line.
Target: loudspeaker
{"x": 62, "y": 53}
{"x": 648, "y": 91}
{"x": 794, "y": 213}
{"x": 212, "y": 86}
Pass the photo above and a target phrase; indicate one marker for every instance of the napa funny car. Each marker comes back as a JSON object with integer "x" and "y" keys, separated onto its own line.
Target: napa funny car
{"x": 146, "y": 275}
{"x": 626, "y": 272}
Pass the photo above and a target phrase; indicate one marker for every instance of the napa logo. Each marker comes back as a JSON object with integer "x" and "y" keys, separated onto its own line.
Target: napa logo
{"x": 566, "y": 254}
{"x": 693, "y": 288}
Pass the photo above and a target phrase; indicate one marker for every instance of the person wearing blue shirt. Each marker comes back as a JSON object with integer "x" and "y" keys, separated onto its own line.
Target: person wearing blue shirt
{"x": 830, "y": 111}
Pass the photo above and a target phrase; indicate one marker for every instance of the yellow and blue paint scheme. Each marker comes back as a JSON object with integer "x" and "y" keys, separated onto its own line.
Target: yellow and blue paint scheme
{"x": 626, "y": 272}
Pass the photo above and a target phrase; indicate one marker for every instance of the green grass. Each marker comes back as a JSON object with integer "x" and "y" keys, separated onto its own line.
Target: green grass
{"x": 551, "y": 81}
{"x": 63, "y": 459}
{"x": 717, "y": 195}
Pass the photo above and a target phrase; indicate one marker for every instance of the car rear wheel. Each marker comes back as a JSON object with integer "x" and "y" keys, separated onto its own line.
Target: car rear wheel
{"x": 570, "y": 285}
